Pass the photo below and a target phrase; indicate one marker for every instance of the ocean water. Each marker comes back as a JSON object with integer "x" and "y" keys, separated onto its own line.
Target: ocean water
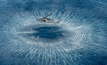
{"x": 80, "y": 38}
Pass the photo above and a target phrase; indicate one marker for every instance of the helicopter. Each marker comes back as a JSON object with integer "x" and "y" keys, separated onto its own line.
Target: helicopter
{"x": 48, "y": 20}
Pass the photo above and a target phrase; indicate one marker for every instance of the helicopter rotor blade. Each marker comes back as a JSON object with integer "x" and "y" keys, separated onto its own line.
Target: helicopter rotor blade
{"x": 48, "y": 15}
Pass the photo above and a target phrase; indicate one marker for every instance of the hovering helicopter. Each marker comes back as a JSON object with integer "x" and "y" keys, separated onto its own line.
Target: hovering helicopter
{"x": 48, "y": 20}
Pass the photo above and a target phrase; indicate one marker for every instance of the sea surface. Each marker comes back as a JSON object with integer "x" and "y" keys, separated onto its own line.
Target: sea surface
{"x": 80, "y": 38}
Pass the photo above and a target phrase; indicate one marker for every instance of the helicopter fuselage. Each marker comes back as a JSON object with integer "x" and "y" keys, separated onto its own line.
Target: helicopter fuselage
{"x": 48, "y": 20}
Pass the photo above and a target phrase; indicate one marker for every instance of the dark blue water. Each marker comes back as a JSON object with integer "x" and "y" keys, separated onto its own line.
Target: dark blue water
{"x": 79, "y": 39}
